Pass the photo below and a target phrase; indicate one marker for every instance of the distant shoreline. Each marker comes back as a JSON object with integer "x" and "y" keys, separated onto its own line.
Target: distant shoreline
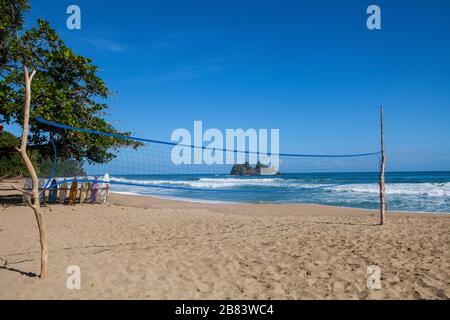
{"x": 229, "y": 203}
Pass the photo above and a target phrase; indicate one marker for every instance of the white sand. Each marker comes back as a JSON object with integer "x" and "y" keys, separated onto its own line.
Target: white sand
{"x": 146, "y": 248}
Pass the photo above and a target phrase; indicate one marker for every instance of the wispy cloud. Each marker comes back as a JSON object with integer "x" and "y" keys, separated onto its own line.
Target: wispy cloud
{"x": 184, "y": 74}
{"x": 177, "y": 39}
{"x": 106, "y": 45}
{"x": 173, "y": 76}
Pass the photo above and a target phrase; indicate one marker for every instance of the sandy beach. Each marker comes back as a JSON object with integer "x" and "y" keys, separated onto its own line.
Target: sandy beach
{"x": 139, "y": 247}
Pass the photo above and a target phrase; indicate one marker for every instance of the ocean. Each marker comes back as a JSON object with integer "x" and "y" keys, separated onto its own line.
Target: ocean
{"x": 406, "y": 191}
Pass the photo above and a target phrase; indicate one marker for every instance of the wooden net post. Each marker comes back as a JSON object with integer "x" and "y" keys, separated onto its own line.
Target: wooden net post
{"x": 382, "y": 170}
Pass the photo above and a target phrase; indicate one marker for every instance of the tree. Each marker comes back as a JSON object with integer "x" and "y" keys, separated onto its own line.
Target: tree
{"x": 11, "y": 22}
{"x": 10, "y": 161}
{"x": 66, "y": 89}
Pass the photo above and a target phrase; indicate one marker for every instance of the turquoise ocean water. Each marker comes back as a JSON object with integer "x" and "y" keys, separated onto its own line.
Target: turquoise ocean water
{"x": 406, "y": 191}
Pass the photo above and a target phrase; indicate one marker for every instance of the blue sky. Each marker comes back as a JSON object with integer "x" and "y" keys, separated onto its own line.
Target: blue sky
{"x": 310, "y": 68}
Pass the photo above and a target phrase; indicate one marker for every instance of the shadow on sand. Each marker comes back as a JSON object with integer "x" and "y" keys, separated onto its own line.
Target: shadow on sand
{"x": 11, "y": 200}
{"x": 28, "y": 274}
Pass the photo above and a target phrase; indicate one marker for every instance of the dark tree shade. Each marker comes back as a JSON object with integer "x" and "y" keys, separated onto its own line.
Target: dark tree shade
{"x": 10, "y": 162}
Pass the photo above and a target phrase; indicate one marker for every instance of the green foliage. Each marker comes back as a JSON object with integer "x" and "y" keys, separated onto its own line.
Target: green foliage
{"x": 11, "y": 21}
{"x": 10, "y": 161}
{"x": 65, "y": 89}
{"x": 8, "y": 140}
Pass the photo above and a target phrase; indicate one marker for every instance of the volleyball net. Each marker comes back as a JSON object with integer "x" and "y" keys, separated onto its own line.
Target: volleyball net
{"x": 185, "y": 170}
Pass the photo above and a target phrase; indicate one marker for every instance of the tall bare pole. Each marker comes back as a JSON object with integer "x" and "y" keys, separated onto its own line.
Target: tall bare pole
{"x": 33, "y": 200}
{"x": 382, "y": 170}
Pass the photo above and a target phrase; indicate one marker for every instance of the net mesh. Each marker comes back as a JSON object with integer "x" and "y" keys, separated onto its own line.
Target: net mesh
{"x": 151, "y": 169}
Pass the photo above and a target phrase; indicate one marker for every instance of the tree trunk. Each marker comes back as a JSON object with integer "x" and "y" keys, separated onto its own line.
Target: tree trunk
{"x": 33, "y": 202}
{"x": 382, "y": 169}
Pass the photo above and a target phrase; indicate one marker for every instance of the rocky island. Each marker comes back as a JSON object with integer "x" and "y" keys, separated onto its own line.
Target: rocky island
{"x": 259, "y": 170}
